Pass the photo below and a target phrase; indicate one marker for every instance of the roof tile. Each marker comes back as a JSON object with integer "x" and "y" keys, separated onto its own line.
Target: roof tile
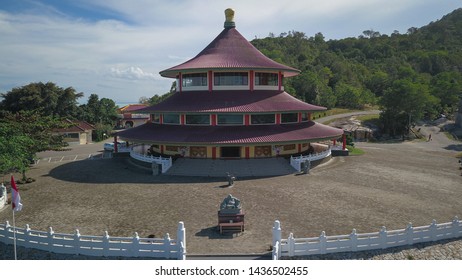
{"x": 230, "y": 50}
{"x": 254, "y": 134}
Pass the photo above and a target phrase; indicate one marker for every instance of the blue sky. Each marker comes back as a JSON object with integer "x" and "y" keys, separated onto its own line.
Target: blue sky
{"x": 116, "y": 48}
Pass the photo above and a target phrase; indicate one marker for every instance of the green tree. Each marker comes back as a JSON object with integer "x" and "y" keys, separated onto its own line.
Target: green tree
{"x": 348, "y": 96}
{"x": 405, "y": 100}
{"x": 102, "y": 113}
{"x": 24, "y": 134}
{"x": 14, "y": 152}
{"x": 48, "y": 99}
{"x": 97, "y": 110}
{"x": 447, "y": 86}
{"x": 159, "y": 98}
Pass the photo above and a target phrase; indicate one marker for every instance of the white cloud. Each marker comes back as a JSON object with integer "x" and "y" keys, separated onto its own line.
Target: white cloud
{"x": 132, "y": 73}
{"x": 125, "y": 54}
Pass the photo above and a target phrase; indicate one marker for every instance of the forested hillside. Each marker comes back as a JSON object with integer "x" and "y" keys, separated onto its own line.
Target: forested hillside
{"x": 417, "y": 74}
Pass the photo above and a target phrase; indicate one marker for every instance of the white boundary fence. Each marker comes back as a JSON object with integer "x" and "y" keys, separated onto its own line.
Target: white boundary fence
{"x": 105, "y": 245}
{"x": 362, "y": 241}
{"x": 165, "y": 162}
{"x": 297, "y": 161}
{"x": 3, "y": 196}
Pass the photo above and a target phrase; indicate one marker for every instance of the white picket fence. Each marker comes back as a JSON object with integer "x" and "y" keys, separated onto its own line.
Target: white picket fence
{"x": 297, "y": 161}
{"x": 165, "y": 162}
{"x": 100, "y": 246}
{"x": 3, "y": 196}
{"x": 362, "y": 241}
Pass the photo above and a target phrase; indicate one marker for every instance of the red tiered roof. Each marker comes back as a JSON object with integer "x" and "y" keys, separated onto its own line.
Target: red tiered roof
{"x": 132, "y": 107}
{"x": 232, "y": 102}
{"x": 255, "y": 134}
{"x": 230, "y": 50}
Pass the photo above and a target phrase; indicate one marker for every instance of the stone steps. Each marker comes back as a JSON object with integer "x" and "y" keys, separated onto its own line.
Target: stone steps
{"x": 237, "y": 167}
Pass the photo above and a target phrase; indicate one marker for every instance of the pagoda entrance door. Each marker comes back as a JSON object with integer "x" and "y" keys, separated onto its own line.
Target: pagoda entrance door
{"x": 197, "y": 152}
{"x": 262, "y": 151}
{"x": 230, "y": 152}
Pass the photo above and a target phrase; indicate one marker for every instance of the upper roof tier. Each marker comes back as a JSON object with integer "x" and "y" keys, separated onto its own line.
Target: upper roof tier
{"x": 232, "y": 102}
{"x": 230, "y": 51}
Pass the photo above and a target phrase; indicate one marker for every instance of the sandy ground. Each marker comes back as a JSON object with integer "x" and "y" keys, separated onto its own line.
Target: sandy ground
{"x": 391, "y": 185}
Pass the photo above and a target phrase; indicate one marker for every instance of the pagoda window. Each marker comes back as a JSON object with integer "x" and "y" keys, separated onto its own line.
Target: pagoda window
{"x": 231, "y": 79}
{"x": 289, "y": 117}
{"x": 198, "y": 119}
{"x": 305, "y": 117}
{"x": 224, "y": 119}
{"x": 172, "y": 118}
{"x": 266, "y": 79}
{"x": 194, "y": 80}
{"x": 263, "y": 119}
{"x": 155, "y": 118}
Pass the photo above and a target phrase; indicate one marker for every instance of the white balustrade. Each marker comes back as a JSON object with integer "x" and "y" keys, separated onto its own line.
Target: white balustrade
{"x": 363, "y": 241}
{"x": 295, "y": 162}
{"x": 166, "y": 163}
{"x": 108, "y": 246}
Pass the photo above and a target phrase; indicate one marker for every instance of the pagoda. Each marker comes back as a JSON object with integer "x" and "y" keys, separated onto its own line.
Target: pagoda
{"x": 230, "y": 103}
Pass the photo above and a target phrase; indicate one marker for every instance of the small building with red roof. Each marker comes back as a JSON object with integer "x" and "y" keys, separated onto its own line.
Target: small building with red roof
{"x": 77, "y": 132}
{"x": 127, "y": 118}
{"x": 230, "y": 103}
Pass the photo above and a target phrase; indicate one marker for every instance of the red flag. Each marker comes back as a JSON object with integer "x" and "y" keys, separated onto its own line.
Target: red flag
{"x": 15, "y": 198}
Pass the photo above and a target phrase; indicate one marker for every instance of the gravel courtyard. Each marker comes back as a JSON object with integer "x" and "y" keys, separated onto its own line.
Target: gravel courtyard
{"x": 391, "y": 185}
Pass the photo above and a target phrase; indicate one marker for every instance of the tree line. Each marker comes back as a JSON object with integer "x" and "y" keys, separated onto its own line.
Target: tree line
{"x": 410, "y": 76}
{"x": 30, "y": 114}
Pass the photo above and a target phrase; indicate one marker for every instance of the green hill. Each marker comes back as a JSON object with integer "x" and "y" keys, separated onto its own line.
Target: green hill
{"x": 377, "y": 69}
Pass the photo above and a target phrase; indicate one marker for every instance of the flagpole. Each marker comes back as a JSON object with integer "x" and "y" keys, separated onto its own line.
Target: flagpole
{"x": 17, "y": 206}
{"x": 14, "y": 238}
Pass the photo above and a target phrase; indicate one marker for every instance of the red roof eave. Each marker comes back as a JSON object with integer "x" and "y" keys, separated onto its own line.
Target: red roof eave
{"x": 258, "y": 101}
{"x": 225, "y": 135}
{"x": 229, "y": 51}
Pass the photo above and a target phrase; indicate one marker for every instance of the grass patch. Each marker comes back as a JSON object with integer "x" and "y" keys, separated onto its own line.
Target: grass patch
{"x": 450, "y": 136}
{"x": 333, "y": 111}
{"x": 374, "y": 119}
{"x": 459, "y": 155}
{"x": 353, "y": 151}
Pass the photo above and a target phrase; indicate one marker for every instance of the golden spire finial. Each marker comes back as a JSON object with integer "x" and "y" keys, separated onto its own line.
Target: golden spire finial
{"x": 229, "y": 14}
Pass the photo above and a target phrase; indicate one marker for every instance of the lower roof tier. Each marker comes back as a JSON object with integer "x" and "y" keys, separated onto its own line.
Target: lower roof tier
{"x": 226, "y": 135}
{"x": 239, "y": 101}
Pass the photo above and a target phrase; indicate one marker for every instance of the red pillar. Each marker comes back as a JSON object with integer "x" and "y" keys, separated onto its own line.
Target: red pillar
{"x": 252, "y": 80}
{"x": 344, "y": 142}
{"x": 214, "y": 152}
{"x": 280, "y": 81}
{"x": 214, "y": 119}
{"x": 210, "y": 81}
{"x": 182, "y": 119}
{"x": 181, "y": 82}
{"x": 278, "y": 118}
{"x": 247, "y": 152}
{"x": 116, "y": 149}
{"x": 299, "y": 148}
{"x": 247, "y": 119}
